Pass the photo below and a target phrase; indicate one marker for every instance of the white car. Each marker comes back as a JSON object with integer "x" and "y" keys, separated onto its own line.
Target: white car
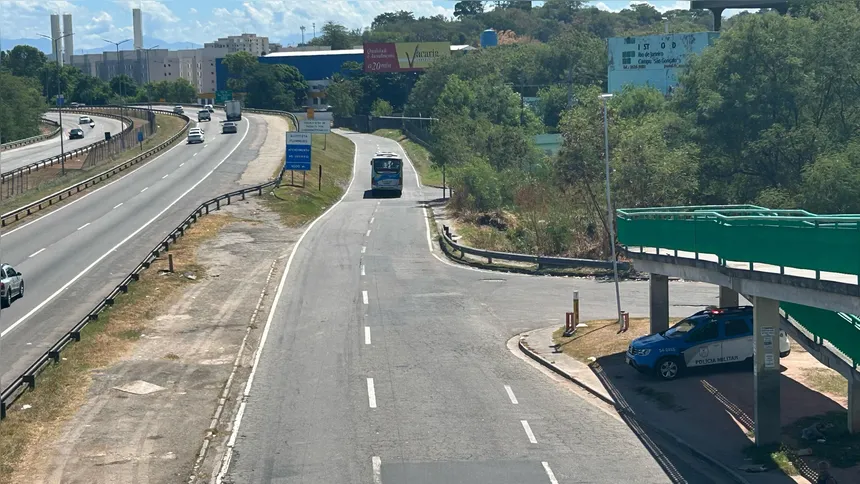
{"x": 195, "y": 135}
{"x": 209, "y": 108}
{"x": 178, "y": 109}
{"x": 84, "y": 120}
{"x": 11, "y": 285}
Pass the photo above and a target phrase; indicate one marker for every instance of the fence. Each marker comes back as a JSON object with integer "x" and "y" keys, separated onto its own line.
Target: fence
{"x": 33, "y": 139}
{"x": 27, "y": 380}
{"x": 19, "y": 180}
{"x": 541, "y": 261}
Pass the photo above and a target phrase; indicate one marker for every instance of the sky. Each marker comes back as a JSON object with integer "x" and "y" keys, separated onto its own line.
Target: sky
{"x": 197, "y": 21}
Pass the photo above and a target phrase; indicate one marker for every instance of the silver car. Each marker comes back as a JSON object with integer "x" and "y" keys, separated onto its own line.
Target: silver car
{"x": 11, "y": 283}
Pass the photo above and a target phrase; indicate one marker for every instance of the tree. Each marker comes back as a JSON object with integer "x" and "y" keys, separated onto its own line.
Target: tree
{"x": 343, "y": 96}
{"x": 381, "y": 107}
{"x": 123, "y": 85}
{"x": 92, "y": 91}
{"x": 468, "y": 8}
{"x": 181, "y": 91}
{"x": 24, "y": 61}
{"x": 23, "y": 104}
{"x": 337, "y": 36}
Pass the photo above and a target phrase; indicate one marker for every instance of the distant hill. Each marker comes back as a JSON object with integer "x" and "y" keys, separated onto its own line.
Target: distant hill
{"x": 45, "y": 45}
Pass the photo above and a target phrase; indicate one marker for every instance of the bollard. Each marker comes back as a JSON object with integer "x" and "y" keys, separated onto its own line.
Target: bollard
{"x": 170, "y": 262}
{"x": 625, "y": 321}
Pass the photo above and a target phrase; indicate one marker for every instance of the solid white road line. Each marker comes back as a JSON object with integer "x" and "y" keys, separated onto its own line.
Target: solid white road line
{"x": 363, "y": 248}
{"x": 364, "y": 296}
{"x": 84, "y": 225}
{"x": 34, "y": 254}
{"x": 362, "y": 269}
{"x": 145, "y": 189}
{"x": 371, "y": 393}
{"x": 377, "y": 470}
{"x": 237, "y": 421}
{"x": 118, "y": 205}
{"x": 367, "y": 335}
{"x": 511, "y": 394}
{"x": 529, "y": 432}
{"x": 367, "y": 234}
{"x": 121, "y": 243}
{"x": 549, "y": 473}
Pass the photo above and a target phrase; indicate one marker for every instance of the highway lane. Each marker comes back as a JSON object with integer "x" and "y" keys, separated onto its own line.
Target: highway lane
{"x": 71, "y": 258}
{"x": 384, "y": 365}
{"x": 18, "y": 157}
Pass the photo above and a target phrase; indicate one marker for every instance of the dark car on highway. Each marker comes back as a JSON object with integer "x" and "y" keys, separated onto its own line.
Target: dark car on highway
{"x": 229, "y": 127}
{"x": 76, "y": 133}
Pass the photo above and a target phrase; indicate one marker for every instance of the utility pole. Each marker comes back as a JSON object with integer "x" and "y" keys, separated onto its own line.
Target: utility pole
{"x": 56, "y": 42}
{"x": 148, "y": 75}
{"x": 302, "y": 28}
{"x": 122, "y": 81}
{"x": 315, "y": 29}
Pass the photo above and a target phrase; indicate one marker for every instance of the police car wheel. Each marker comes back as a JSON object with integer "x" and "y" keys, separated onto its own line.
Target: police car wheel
{"x": 668, "y": 368}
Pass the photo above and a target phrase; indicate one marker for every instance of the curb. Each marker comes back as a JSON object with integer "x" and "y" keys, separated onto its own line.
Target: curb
{"x": 531, "y": 354}
{"x": 664, "y": 433}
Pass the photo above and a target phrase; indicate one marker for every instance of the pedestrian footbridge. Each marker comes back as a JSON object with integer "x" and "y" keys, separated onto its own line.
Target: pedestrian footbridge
{"x": 800, "y": 270}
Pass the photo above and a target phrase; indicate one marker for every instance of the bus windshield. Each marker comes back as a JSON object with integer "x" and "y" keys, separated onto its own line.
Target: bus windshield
{"x": 387, "y": 165}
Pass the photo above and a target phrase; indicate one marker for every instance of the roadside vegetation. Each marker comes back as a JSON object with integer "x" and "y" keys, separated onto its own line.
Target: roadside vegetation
{"x": 37, "y": 417}
{"x": 48, "y": 180}
{"x": 298, "y": 205}
{"x": 430, "y": 174}
{"x": 795, "y": 147}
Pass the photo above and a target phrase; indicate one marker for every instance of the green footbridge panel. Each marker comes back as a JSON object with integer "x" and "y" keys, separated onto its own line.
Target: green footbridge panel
{"x": 749, "y": 233}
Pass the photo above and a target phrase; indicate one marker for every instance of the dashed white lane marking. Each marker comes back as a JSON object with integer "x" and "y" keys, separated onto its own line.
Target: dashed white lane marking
{"x": 511, "y": 394}
{"x": 549, "y": 473}
{"x": 367, "y": 335}
{"x": 364, "y": 296}
{"x": 367, "y": 234}
{"x": 377, "y": 470}
{"x": 362, "y": 269}
{"x": 145, "y": 189}
{"x": 34, "y": 254}
{"x": 372, "y": 219}
{"x": 118, "y": 205}
{"x": 363, "y": 248}
{"x": 529, "y": 432}
{"x": 371, "y": 393}
{"x": 84, "y": 225}
{"x": 165, "y": 176}
{"x": 195, "y": 154}
{"x": 181, "y": 164}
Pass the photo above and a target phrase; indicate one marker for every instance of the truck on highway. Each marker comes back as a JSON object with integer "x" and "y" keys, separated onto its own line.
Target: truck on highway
{"x": 233, "y": 110}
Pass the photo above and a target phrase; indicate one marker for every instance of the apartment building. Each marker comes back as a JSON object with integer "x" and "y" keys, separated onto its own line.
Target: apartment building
{"x": 257, "y": 46}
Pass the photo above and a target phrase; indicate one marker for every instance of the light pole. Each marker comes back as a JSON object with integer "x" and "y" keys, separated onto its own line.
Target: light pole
{"x": 56, "y": 42}
{"x": 148, "y": 76}
{"x": 609, "y": 215}
{"x": 121, "y": 84}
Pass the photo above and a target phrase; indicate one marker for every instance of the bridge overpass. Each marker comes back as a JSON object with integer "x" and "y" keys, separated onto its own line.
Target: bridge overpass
{"x": 800, "y": 270}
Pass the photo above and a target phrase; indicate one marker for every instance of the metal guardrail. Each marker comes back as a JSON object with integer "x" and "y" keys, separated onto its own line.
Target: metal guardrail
{"x": 27, "y": 380}
{"x": 33, "y": 139}
{"x": 29, "y": 209}
{"x": 540, "y": 260}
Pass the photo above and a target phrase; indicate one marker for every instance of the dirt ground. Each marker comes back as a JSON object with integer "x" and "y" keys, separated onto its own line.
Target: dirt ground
{"x": 148, "y": 415}
{"x": 271, "y": 154}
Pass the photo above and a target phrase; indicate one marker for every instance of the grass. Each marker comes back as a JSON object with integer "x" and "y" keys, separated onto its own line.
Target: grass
{"x": 826, "y": 380}
{"x": 430, "y": 174}
{"x": 62, "y": 389}
{"x": 298, "y": 206}
{"x": 49, "y": 181}
{"x": 599, "y": 338}
{"x": 776, "y": 456}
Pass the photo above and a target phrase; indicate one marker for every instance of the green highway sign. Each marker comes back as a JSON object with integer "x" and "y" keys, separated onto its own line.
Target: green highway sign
{"x": 221, "y": 96}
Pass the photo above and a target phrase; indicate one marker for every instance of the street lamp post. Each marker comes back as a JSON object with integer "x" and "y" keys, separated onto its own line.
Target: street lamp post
{"x": 148, "y": 75}
{"x": 609, "y": 215}
{"x": 122, "y": 84}
{"x": 56, "y": 42}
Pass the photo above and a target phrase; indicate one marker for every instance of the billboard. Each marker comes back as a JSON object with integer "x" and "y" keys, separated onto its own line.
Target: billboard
{"x": 403, "y": 56}
{"x": 653, "y": 60}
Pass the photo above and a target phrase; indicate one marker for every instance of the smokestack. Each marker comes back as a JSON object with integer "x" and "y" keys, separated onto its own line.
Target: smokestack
{"x": 138, "y": 28}
{"x": 56, "y": 50}
{"x": 68, "y": 42}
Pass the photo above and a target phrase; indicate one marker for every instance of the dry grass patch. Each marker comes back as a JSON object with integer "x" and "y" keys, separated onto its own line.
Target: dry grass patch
{"x": 601, "y": 338}
{"x": 826, "y": 380}
{"x": 62, "y": 389}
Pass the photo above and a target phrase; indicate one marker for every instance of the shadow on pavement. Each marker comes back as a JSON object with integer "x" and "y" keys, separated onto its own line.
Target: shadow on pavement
{"x": 381, "y": 194}
{"x": 712, "y": 410}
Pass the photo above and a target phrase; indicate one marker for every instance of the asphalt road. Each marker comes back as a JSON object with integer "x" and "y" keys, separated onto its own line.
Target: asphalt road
{"x": 74, "y": 255}
{"x": 384, "y": 364}
{"x": 18, "y": 157}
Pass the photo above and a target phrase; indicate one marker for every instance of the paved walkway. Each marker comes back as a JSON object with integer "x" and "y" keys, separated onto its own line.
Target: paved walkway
{"x": 702, "y": 415}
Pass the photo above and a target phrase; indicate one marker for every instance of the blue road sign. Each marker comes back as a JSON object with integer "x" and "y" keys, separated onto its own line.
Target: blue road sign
{"x": 60, "y": 100}
{"x": 298, "y": 151}
{"x": 140, "y": 136}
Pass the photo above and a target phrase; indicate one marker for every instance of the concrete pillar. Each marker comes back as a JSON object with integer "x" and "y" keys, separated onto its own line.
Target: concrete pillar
{"x": 766, "y": 376}
{"x": 853, "y": 406}
{"x": 728, "y": 297}
{"x": 658, "y": 289}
